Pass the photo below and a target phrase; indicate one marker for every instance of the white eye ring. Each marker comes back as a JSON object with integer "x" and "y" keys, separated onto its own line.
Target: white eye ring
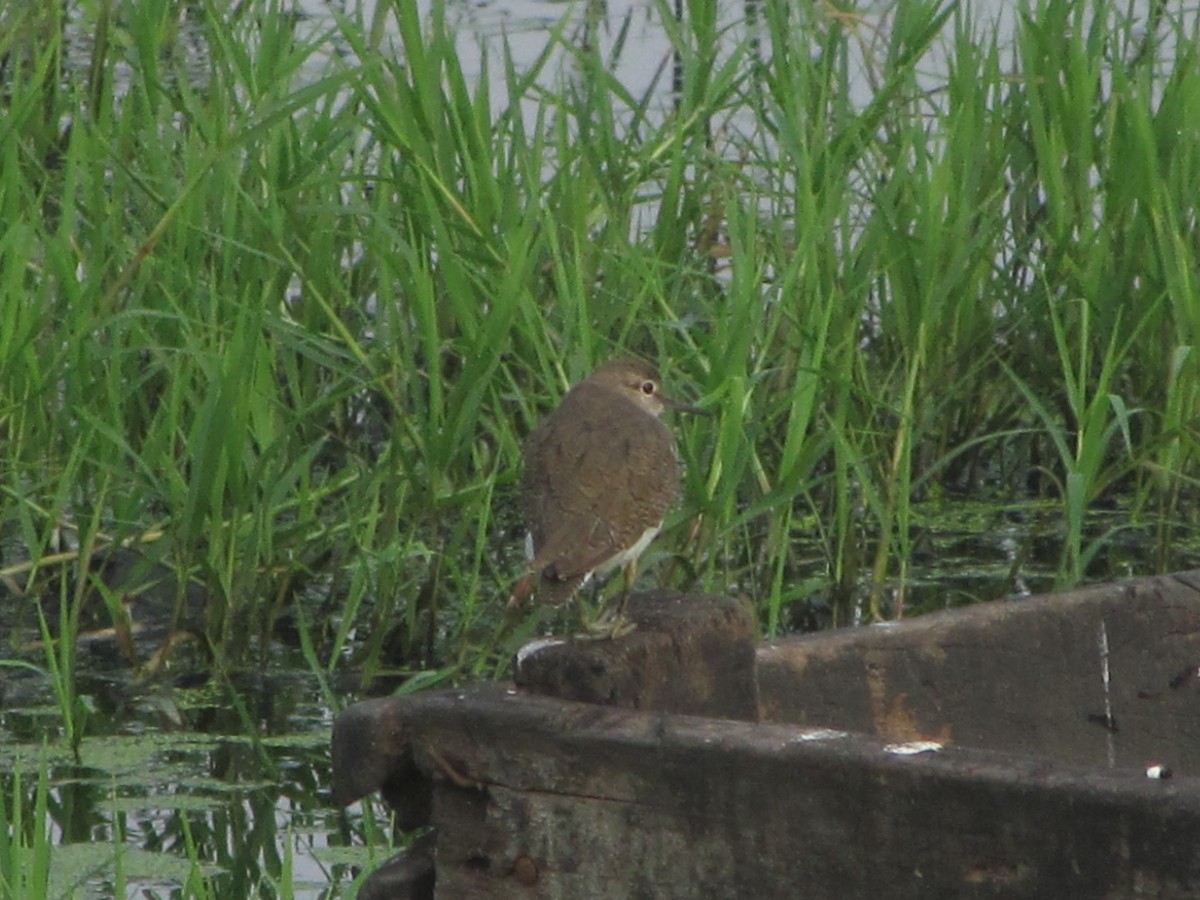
{"x": 648, "y": 387}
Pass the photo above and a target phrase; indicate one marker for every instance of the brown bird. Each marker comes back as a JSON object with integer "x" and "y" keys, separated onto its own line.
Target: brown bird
{"x": 601, "y": 473}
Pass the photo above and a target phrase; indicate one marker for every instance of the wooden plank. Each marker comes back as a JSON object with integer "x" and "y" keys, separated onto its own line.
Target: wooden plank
{"x": 407, "y": 876}
{"x": 691, "y": 653}
{"x": 372, "y": 751}
{"x": 1043, "y": 792}
{"x": 1024, "y": 676}
{"x": 557, "y": 800}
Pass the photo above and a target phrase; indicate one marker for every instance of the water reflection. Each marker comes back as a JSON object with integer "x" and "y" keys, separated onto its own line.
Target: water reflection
{"x": 237, "y": 798}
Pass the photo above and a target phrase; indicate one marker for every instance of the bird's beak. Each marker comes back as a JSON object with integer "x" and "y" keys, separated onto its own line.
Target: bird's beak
{"x": 683, "y": 407}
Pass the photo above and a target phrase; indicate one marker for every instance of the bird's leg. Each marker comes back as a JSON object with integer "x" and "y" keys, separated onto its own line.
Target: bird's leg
{"x": 612, "y": 621}
{"x": 587, "y": 606}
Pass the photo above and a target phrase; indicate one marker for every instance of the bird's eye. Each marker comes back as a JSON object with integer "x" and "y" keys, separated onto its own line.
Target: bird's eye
{"x": 647, "y": 388}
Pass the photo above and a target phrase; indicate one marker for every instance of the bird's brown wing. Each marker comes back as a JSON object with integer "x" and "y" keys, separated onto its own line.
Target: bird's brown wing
{"x": 578, "y": 517}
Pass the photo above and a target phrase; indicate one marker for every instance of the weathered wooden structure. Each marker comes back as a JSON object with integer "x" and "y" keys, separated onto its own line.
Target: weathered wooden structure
{"x": 1013, "y": 749}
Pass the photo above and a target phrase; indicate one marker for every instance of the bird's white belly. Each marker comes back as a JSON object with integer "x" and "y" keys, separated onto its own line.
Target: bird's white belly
{"x": 629, "y": 554}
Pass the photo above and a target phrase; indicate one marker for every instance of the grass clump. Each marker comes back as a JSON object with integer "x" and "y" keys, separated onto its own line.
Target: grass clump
{"x": 26, "y": 849}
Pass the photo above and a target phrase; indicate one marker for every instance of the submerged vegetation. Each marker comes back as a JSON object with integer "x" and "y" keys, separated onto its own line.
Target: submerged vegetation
{"x": 276, "y": 314}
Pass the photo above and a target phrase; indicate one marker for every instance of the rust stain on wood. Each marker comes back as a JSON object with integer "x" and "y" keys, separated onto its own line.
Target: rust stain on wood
{"x": 893, "y": 716}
